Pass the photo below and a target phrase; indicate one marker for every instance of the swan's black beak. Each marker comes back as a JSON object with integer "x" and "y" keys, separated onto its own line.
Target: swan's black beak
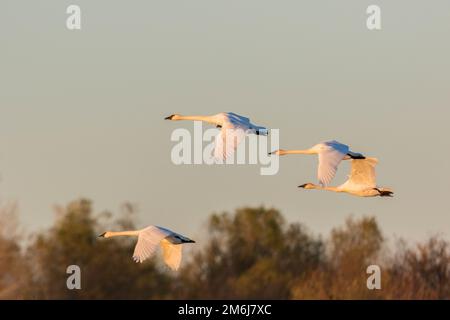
{"x": 102, "y": 235}
{"x": 303, "y": 185}
{"x": 169, "y": 117}
{"x": 191, "y": 241}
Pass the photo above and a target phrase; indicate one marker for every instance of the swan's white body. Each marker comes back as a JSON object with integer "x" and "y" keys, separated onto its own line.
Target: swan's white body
{"x": 330, "y": 153}
{"x": 148, "y": 241}
{"x": 234, "y": 128}
{"x": 361, "y": 182}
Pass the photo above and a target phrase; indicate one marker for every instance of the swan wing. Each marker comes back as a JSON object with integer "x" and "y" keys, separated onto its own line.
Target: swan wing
{"x": 363, "y": 173}
{"x": 238, "y": 121}
{"x": 172, "y": 254}
{"x": 233, "y": 117}
{"x": 227, "y": 141}
{"x": 234, "y": 130}
{"x": 230, "y": 119}
{"x": 330, "y": 155}
{"x": 148, "y": 241}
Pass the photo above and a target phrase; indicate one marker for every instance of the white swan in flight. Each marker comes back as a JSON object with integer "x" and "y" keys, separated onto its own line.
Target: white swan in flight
{"x": 234, "y": 128}
{"x": 361, "y": 182}
{"x": 148, "y": 241}
{"x": 331, "y": 153}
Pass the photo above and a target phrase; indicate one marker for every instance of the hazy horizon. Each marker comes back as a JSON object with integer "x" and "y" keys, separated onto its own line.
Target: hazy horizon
{"x": 82, "y": 111}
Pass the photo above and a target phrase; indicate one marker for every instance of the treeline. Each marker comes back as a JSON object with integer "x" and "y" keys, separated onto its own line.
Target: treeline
{"x": 252, "y": 253}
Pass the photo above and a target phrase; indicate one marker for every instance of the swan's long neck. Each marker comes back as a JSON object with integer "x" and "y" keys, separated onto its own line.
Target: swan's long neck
{"x": 208, "y": 119}
{"x": 110, "y": 234}
{"x": 308, "y": 151}
{"x": 333, "y": 189}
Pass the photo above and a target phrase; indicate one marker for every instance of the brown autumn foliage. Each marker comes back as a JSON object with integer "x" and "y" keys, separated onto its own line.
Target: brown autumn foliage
{"x": 252, "y": 253}
{"x": 14, "y": 273}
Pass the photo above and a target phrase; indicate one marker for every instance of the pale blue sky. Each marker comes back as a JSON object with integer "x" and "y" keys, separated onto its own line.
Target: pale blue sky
{"x": 81, "y": 112}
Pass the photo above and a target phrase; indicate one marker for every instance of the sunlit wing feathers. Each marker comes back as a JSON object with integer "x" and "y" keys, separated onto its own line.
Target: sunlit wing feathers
{"x": 234, "y": 130}
{"x": 330, "y": 155}
{"x": 363, "y": 173}
{"x": 172, "y": 254}
{"x": 148, "y": 241}
{"x": 227, "y": 141}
